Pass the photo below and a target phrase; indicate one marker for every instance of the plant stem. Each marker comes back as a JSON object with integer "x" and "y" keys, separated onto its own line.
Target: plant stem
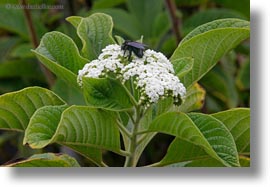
{"x": 130, "y": 160}
{"x": 175, "y": 22}
{"x": 123, "y": 129}
{"x": 48, "y": 75}
{"x": 133, "y": 100}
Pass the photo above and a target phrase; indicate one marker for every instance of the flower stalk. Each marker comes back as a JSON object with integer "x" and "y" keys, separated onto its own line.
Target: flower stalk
{"x": 130, "y": 160}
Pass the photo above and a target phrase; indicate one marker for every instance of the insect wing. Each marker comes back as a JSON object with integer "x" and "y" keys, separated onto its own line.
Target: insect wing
{"x": 137, "y": 45}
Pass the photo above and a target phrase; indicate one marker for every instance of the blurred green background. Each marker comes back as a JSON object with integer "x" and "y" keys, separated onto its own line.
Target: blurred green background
{"x": 162, "y": 23}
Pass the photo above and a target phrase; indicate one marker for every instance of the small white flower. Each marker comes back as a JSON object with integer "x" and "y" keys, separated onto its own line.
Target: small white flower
{"x": 153, "y": 74}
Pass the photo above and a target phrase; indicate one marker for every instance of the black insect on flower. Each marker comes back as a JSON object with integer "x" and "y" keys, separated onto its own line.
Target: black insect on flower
{"x": 135, "y": 47}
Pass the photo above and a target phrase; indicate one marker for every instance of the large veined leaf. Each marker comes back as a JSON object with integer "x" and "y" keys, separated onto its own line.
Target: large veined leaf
{"x": 47, "y": 160}
{"x": 95, "y": 32}
{"x": 106, "y": 93}
{"x": 16, "y": 108}
{"x": 42, "y": 129}
{"x": 208, "y": 43}
{"x": 181, "y": 151}
{"x": 78, "y": 126}
{"x": 201, "y": 130}
{"x": 59, "y": 53}
{"x": 208, "y": 162}
{"x": 238, "y": 122}
{"x": 182, "y": 66}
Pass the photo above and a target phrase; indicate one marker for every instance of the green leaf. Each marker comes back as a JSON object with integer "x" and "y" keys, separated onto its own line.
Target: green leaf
{"x": 206, "y": 162}
{"x": 106, "y": 93}
{"x": 78, "y": 126}
{"x": 218, "y": 136}
{"x": 71, "y": 95}
{"x": 43, "y": 126}
{"x": 74, "y": 20}
{"x": 182, "y": 66}
{"x": 59, "y": 53}
{"x": 182, "y": 151}
{"x": 47, "y": 160}
{"x": 61, "y": 49}
{"x": 208, "y": 43}
{"x": 162, "y": 106}
{"x": 201, "y": 130}
{"x": 238, "y": 122}
{"x": 95, "y": 32}
{"x": 16, "y": 108}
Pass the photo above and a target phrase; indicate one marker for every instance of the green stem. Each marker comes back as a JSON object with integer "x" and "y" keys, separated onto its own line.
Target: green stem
{"x": 130, "y": 160}
{"x": 133, "y": 100}
{"x": 102, "y": 164}
{"x": 142, "y": 139}
{"x": 123, "y": 129}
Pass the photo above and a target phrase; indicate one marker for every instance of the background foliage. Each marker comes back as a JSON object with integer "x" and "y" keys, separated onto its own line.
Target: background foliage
{"x": 227, "y": 84}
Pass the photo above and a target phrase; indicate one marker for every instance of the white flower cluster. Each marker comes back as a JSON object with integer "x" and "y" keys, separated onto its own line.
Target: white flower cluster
{"x": 108, "y": 60}
{"x": 153, "y": 73}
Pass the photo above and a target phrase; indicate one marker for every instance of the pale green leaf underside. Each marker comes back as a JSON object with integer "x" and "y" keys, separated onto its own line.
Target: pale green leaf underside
{"x": 201, "y": 130}
{"x": 47, "y": 160}
{"x": 182, "y": 151}
{"x": 74, "y": 20}
{"x": 59, "y": 54}
{"x": 217, "y": 24}
{"x": 78, "y": 126}
{"x": 208, "y": 162}
{"x": 62, "y": 50}
{"x": 16, "y": 108}
{"x": 42, "y": 129}
{"x": 208, "y": 43}
{"x": 95, "y": 32}
{"x": 237, "y": 120}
